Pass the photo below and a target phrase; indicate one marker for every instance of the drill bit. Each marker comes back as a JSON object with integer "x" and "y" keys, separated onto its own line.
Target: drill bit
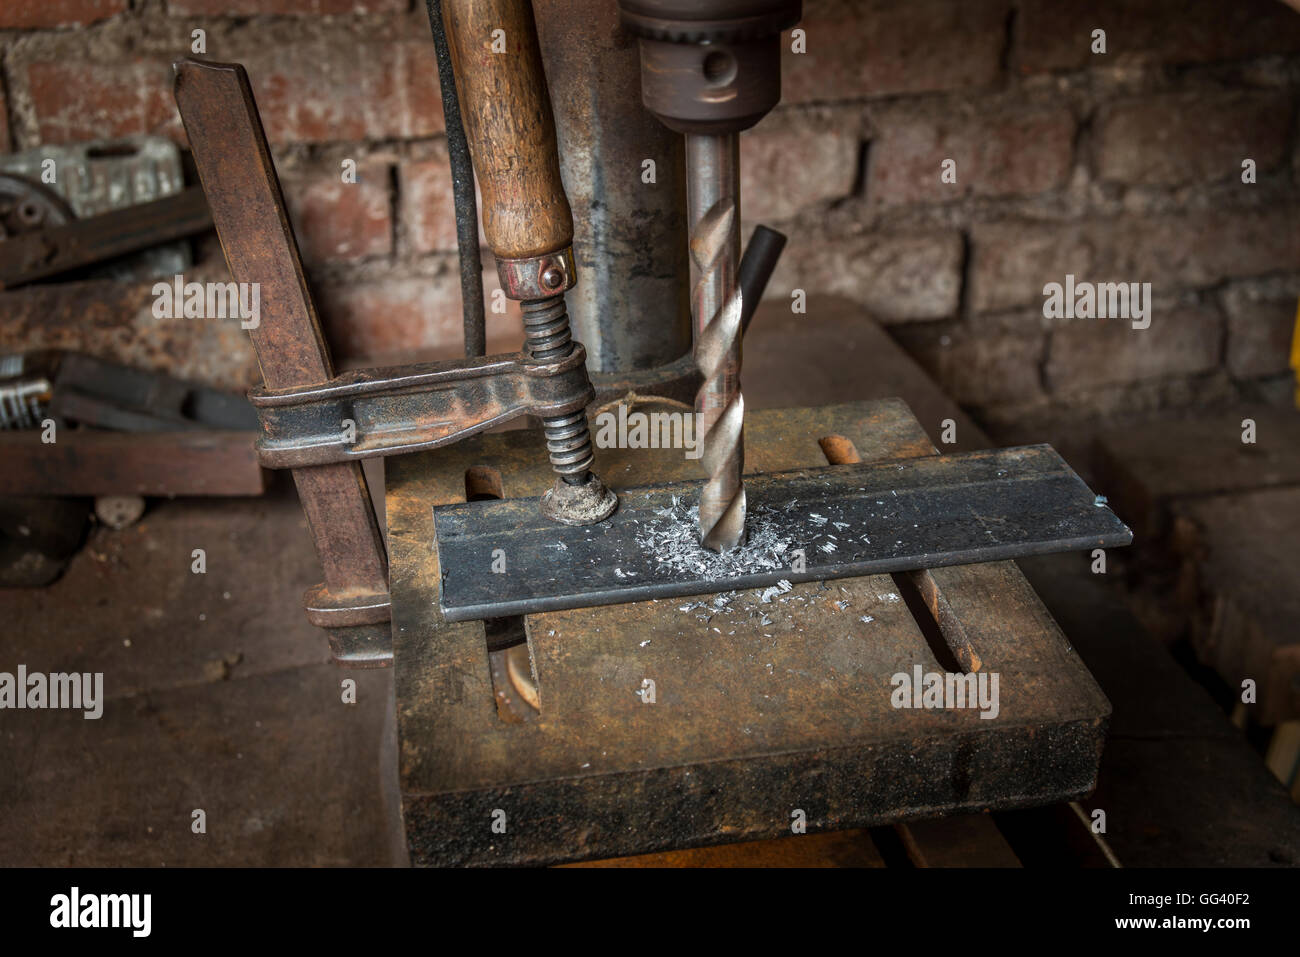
{"x": 713, "y": 201}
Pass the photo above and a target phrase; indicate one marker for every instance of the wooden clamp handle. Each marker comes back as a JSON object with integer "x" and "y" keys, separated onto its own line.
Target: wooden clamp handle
{"x": 506, "y": 109}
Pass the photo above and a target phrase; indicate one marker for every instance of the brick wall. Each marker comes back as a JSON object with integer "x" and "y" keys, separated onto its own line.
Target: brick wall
{"x": 1122, "y": 166}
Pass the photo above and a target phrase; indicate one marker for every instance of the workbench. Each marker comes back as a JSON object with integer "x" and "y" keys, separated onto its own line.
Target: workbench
{"x": 764, "y": 714}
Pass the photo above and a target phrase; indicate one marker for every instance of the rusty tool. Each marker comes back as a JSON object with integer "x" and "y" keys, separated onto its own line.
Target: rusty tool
{"x": 84, "y": 390}
{"x": 710, "y": 70}
{"x": 320, "y": 424}
{"x": 51, "y": 248}
{"x": 234, "y": 163}
{"x": 527, "y": 220}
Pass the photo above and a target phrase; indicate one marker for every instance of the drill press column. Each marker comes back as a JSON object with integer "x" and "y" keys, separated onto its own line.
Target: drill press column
{"x": 710, "y": 70}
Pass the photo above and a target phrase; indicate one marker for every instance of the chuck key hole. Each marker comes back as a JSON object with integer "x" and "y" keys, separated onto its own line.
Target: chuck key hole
{"x": 719, "y": 68}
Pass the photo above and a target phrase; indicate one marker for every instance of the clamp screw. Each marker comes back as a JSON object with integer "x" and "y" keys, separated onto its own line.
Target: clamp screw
{"x": 553, "y": 277}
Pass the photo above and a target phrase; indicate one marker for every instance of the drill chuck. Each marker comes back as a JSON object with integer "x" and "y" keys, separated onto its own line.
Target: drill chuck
{"x": 710, "y": 67}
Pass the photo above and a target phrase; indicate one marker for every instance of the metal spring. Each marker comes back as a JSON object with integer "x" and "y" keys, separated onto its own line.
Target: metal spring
{"x": 23, "y": 403}
{"x": 568, "y": 440}
{"x": 547, "y": 336}
{"x": 546, "y": 328}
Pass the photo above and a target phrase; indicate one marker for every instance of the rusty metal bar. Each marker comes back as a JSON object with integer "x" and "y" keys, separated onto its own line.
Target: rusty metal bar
{"x": 100, "y": 462}
{"x": 234, "y": 162}
{"x": 412, "y": 408}
{"x": 59, "y": 249}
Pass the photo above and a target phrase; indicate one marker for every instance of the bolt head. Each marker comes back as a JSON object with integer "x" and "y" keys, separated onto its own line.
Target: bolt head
{"x": 553, "y": 277}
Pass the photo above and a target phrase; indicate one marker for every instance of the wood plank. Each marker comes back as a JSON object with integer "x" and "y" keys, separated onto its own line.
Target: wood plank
{"x": 92, "y": 462}
{"x": 1241, "y": 563}
{"x": 1181, "y": 787}
{"x": 965, "y": 840}
{"x": 1143, "y": 468}
{"x": 852, "y": 848}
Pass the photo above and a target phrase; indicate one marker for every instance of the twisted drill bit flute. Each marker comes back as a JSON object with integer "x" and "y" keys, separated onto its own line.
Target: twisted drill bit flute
{"x": 714, "y": 215}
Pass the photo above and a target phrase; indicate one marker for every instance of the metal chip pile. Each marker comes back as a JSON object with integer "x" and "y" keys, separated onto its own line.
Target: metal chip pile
{"x": 674, "y": 541}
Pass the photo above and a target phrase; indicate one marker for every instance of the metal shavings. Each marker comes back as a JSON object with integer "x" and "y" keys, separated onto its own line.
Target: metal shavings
{"x": 828, "y": 547}
{"x": 675, "y": 545}
{"x": 866, "y": 619}
{"x": 780, "y": 588}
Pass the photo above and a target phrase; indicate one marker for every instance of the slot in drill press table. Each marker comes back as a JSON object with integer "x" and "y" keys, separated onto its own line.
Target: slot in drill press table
{"x": 764, "y": 708}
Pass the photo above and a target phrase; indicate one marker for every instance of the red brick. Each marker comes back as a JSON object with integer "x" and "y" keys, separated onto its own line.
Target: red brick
{"x": 218, "y": 8}
{"x": 796, "y": 160}
{"x": 381, "y": 318}
{"x": 427, "y": 204}
{"x": 1006, "y": 154}
{"x": 1056, "y": 35}
{"x": 880, "y": 47}
{"x": 897, "y": 277}
{"x": 1010, "y": 263}
{"x": 6, "y": 143}
{"x": 1087, "y": 354}
{"x": 1260, "y": 329}
{"x": 340, "y": 89}
{"x": 982, "y": 366}
{"x": 1173, "y": 140}
{"x": 337, "y": 221}
{"x": 34, "y": 14}
{"x": 326, "y": 89}
{"x": 76, "y": 100}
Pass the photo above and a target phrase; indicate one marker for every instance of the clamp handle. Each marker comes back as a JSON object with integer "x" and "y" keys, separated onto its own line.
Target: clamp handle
{"x": 506, "y": 107}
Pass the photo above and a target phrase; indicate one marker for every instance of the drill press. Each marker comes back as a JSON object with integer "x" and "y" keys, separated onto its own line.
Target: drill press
{"x": 642, "y": 724}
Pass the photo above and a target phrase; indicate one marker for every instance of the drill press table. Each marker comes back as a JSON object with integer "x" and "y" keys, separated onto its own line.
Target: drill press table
{"x": 760, "y": 710}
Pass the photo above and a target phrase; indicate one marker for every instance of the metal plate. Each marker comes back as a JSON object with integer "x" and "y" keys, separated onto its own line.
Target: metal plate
{"x": 504, "y": 558}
